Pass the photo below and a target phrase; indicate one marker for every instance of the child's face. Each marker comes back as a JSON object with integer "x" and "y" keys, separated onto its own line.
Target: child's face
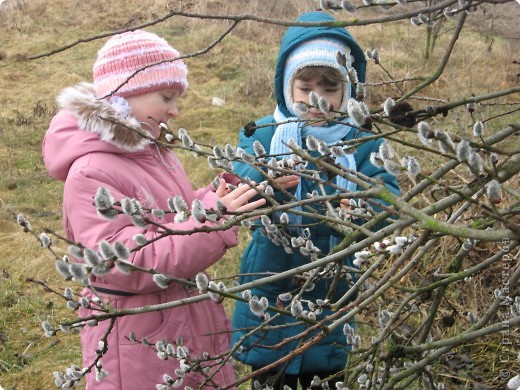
{"x": 154, "y": 108}
{"x": 334, "y": 94}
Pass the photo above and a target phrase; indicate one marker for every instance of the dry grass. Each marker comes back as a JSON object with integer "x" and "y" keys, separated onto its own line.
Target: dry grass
{"x": 240, "y": 71}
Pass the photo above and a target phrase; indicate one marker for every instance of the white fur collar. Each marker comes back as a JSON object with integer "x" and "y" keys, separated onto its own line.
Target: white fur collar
{"x": 98, "y": 116}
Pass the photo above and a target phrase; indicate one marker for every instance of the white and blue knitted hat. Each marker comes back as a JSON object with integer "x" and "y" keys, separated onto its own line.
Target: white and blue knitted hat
{"x": 316, "y": 52}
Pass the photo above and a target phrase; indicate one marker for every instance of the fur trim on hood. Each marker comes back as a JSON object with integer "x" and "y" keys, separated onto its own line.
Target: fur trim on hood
{"x": 100, "y": 117}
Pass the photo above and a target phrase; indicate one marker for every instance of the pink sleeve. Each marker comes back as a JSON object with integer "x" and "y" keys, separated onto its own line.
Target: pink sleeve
{"x": 206, "y": 192}
{"x": 179, "y": 255}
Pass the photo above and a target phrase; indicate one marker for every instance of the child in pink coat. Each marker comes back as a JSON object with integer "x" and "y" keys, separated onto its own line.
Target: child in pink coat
{"x": 94, "y": 142}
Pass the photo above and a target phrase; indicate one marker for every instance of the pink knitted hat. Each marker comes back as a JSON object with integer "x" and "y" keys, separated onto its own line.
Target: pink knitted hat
{"x": 123, "y": 54}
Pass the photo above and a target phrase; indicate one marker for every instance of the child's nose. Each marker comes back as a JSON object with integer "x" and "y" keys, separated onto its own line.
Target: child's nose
{"x": 173, "y": 112}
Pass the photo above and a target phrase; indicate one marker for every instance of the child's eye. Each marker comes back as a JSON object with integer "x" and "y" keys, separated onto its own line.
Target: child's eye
{"x": 167, "y": 99}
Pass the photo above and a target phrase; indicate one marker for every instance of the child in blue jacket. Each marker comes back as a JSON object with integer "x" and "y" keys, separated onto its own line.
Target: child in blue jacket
{"x": 307, "y": 62}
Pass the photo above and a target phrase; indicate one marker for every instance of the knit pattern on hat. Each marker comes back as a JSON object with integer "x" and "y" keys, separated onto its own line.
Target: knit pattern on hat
{"x": 114, "y": 71}
{"x": 315, "y": 52}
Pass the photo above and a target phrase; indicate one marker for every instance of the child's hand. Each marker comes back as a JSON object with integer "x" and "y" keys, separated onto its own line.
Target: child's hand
{"x": 224, "y": 188}
{"x": 345, "y": 205}
{"x": 238, "y": 198}
{"x": 286, "y": 182}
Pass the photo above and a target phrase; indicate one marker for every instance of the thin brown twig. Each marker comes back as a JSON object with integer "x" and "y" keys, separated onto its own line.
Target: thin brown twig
{"x": 247, "y": 17}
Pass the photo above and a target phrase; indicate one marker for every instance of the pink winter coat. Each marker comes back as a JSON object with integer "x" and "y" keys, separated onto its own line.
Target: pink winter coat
{"x": 87, "y": 152}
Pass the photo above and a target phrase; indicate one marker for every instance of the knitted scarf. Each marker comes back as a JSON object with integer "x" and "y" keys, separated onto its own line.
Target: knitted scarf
{"x": 298, "y": 131}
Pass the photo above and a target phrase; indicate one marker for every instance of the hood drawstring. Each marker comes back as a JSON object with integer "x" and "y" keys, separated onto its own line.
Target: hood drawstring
{"x": 164, "y": 163}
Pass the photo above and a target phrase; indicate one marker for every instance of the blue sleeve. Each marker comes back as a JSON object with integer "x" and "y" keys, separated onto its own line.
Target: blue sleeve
{"x": 246, "y": 170}
{"x": 367, "y": 168}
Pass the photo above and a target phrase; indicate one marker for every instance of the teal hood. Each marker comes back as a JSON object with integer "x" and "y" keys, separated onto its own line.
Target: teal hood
{"x": 296, "y": 34}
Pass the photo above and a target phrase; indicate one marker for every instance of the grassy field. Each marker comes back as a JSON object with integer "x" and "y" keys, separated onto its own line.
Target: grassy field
{"x": 239, "y": 70}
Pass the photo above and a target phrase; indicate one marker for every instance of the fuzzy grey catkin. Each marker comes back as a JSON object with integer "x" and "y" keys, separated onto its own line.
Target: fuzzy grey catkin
{"x": 103, "y": 199}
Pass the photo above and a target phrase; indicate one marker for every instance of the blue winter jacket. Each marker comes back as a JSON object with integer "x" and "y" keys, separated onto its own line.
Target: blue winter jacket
{"x": 262, "y": 256}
